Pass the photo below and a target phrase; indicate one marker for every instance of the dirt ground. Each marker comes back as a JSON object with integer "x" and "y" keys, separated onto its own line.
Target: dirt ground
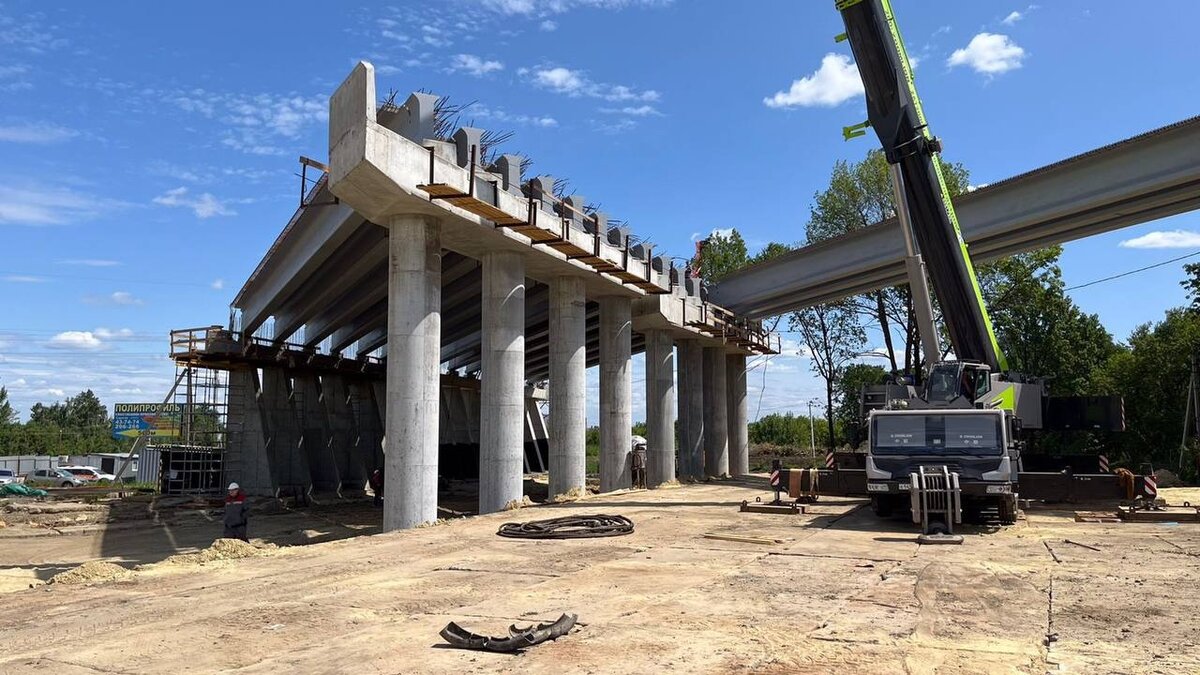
{"x": 843, "y": 593}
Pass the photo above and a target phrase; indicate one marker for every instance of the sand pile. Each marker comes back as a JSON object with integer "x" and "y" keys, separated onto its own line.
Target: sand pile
{"x": 93, "y": 572}
{"x": 222, "y": 549}
{"x": 518, "y": 503}
{"x": 569, "y": 496}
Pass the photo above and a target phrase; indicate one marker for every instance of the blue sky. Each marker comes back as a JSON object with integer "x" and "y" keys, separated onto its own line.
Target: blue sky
{"x": 149, "y": 151}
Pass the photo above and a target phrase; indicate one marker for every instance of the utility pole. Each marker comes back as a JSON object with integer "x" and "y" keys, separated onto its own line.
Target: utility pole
{"x": 812, "y": 431}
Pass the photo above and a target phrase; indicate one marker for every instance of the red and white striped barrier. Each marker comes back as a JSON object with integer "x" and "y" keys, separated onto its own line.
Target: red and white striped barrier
{"x": 1150, "y": 487}
{"x": 829, "y": 461}
{"x": 775, "y": 478}
{"x": 1104, "y": 464}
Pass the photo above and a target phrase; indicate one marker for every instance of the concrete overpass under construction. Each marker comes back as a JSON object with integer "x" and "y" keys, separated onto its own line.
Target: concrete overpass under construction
{"x": 427, "y": 291}
{"x": 1144, "y": 178}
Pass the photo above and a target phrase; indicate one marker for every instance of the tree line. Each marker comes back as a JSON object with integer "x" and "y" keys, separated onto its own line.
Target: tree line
{"x": 77, "y": 426}
{"x": 1038, "y": 326}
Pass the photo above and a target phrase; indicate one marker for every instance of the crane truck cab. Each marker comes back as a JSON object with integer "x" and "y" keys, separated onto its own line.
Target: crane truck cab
{"x": 979, "y": 444}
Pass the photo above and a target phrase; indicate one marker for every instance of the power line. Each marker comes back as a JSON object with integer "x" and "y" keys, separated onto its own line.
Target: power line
{"x": 1140, "y": 269}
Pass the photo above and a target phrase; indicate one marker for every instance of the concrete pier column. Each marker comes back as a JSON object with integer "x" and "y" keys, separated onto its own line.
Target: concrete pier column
{"x": 413, "y": 381}
{"x": 246, "y": 459}
{"x": 502, "y": 406}
{"x": 691, "y": 409}
{"x": 568, "y": 385}
{"x": 660, "y": 408}
{"x": 616, "y": 413}
{"x": 716, "y": 414}
{"x": 739, "y": 433}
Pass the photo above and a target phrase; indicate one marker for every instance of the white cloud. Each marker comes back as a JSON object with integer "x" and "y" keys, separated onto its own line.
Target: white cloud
{"x": 204, "y": 205}
{"x": 217, "y": 284}
{"x": 116, "y": 298}
{"x": 39, "y": 133}
{"x": 1164, "y": 239}
{"x": 125, "y": 298}
{"x": 473, "y": 65}
{"x": 548, "y": 25}
{"x": 90, "y": 262}
{"x": 106, "y": 334}
{"x": 561, "y": 80}
{"x": 543, "y": 7}
{"x": 834, "y": 83}
{"x": 1012, "y": 18}
{"x": 621, "y": 125}
{"x": 638, "y": 111}
{"x": 32, "y": 203}
{"x": 576, "y": 83}
{"x": 26, "y": 33}
{"x": 53, "y": 373}
{"x": 500, "y": 115}
{"x": 988, "y": 53}
{"x": 23, "y": 279}
{"x": 75, "y": 339}
{"x": 255, "y": 123}
{"x": 11, "y": 77}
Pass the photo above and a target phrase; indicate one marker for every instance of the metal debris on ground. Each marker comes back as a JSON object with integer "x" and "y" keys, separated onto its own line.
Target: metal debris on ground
{"x": 777, "y": 506}
{"x": 769, "y": 541}
{"x": 516, "y": 640}
{"x": 569, "y": 527}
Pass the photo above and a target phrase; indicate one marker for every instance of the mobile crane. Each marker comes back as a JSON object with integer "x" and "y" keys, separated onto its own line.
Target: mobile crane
{"x": 955, "y": 444}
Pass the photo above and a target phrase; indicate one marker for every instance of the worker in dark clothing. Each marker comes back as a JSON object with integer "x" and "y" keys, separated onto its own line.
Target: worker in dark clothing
{"x": 237, "y": 513}
{"x": 377, "y": 485}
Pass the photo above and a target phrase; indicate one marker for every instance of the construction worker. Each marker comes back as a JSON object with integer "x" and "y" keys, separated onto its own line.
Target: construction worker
{"x": 237, "y": 513}
{"x": 376, "y": 483}
{"x": 639, "y": 462}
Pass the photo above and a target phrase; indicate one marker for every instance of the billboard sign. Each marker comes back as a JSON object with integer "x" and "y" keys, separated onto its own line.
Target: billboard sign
{"x": 159, "y": 420}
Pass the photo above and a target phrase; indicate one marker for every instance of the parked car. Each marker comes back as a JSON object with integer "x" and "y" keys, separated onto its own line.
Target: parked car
{"x": 89, "y": 473}
{"x": 8, "y": 476}
{"x": 54, "y": 478}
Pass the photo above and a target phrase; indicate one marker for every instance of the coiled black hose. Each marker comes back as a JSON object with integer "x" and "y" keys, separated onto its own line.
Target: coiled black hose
{"x": 569, "y": 527}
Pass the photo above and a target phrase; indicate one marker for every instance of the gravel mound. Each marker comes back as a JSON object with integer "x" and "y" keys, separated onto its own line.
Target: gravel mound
{"x": 222, "y": 549}
{"x": 93, "y": 572}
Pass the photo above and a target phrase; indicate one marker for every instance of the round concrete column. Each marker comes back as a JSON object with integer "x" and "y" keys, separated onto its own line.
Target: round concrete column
{"x": 413, "y": 349}
{"x": 660, "y": 408}
{"x": 691, "y": 395}
{"x": 616, "y": 413}
{"x": 502, "y": 405}
{"x": 739, "y": 433}
{"x": 716, "y": 414}
{"x": 568, "y": 385}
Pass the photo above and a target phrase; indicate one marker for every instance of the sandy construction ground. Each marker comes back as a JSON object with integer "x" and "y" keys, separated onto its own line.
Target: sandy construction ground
{"x": 843, "y": 593}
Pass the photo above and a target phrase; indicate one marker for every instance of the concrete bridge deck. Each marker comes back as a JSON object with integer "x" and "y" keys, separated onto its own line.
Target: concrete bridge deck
{"x": 1137, "y": 180}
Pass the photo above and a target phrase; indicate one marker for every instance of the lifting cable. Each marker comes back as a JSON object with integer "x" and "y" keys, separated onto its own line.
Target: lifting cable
{"x": 569, "y": 527}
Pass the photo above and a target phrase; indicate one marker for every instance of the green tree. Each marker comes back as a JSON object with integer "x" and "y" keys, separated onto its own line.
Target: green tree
{"x": 860, "y": 195}
{"x": 786, "y": 430}
{"x": 84, "y": 410}
{"x": 54, "y": 414}
{"x": 720, "y": 254}
{"x": 1040, "y": 330}
{"x": 834, "y": 338}
{"x": 771, "y": 250}
{"x": 8, "y": 416}
{"x": 1192, "y": 284}
{"x": 849, "y": 397}
{"x": 1152, "y": 375}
